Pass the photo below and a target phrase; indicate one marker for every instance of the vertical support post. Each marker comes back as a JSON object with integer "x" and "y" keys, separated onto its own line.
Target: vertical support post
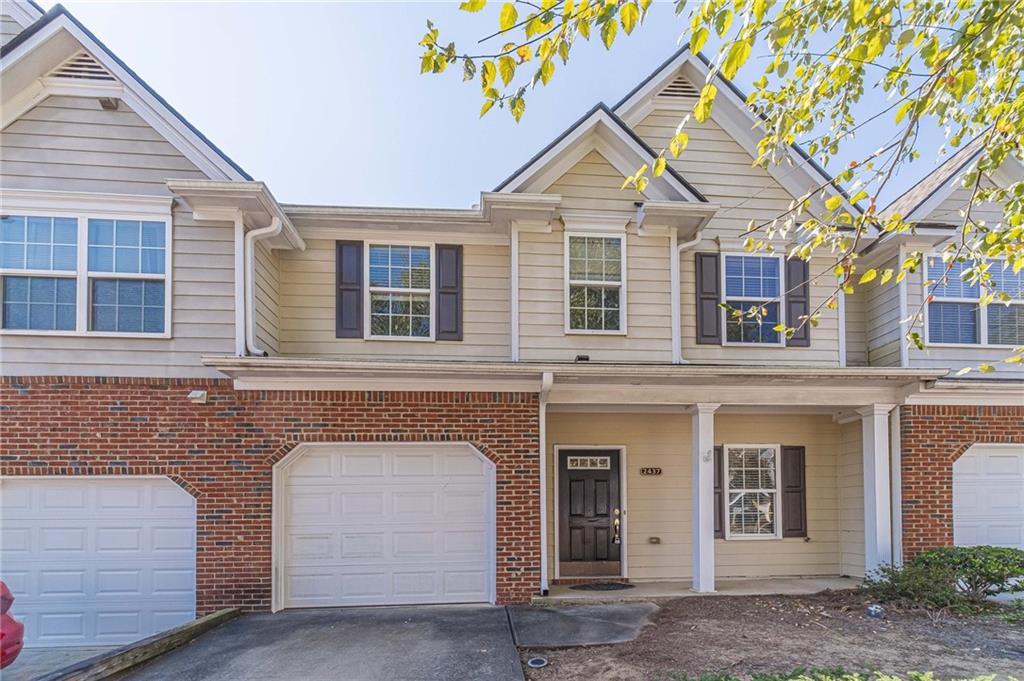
{"x": 703, "y": 496}
{"x": 877, "y": 499}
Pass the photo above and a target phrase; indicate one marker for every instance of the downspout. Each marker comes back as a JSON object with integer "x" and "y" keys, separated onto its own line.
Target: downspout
{"x": 547, "y": 380}
{"x": 676, "y": 249}
{"x": 275, "y": 228}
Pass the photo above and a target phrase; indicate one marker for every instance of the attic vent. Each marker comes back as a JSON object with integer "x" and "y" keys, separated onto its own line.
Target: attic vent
{"x": 82, "y": 66}
{"x": 678, "y": 88}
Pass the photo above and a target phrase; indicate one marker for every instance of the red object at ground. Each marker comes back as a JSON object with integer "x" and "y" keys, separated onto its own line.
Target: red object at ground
{"x": 12, "y": 632}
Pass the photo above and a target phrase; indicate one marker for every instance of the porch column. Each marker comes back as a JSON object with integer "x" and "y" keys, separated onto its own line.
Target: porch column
{"x": 703, "y": 456}
{"x": 877, "y": 510}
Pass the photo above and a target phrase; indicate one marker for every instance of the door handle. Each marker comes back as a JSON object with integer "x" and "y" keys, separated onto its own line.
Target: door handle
{"x": 616, "y": 539}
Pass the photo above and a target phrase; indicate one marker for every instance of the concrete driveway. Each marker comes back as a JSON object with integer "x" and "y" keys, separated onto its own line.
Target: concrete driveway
{"x": 356, "y": 644}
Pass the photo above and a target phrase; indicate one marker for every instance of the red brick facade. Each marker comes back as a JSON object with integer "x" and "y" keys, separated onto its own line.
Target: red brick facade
{"x": 223, "y": 452}
{"x": 932, "y": 438}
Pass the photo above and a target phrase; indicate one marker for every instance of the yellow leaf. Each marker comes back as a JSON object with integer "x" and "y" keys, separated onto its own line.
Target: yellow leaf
{"x": 965, "y": 370}
{"x": 547, "y": 70}
{"x": 659, "y": 166}
{"x": 629, "y": 15}
{"x": 886, "y": 275}
{"x": 702, "y": 110}
{"x": 487, "y": 75}
{"x": 608, "y": 31}
{"x": 833, "y": 202}
{"x": 735, "y": 58}
{"x": 507, "y": 69}
{"x": 472, "y": 5}
{"x": 509, "y": 16}
{"x": 868, "y": 276}
{"x": 679, "y": 143}
{"x": 486, "y": 107}
{"x": 986, "y": 368}
{"x": 524, "y": 53}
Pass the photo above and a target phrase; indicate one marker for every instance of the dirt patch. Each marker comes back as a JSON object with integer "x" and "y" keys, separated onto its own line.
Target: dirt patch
{"x": 743, "y": 635}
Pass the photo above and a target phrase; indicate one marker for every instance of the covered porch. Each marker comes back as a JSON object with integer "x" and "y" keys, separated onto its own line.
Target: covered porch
{"x": 739, "y": 482}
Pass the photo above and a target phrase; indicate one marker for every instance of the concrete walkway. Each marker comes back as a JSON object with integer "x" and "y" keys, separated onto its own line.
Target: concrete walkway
{"x": 579, "y": 625}
{"x": 35, "y": 662}
{"x": 420, "y": 643}
{"x": 645, "y": 591}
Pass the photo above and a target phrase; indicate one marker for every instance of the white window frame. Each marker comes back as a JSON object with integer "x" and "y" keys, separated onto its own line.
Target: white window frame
{"x": 83, "y": 207}
{"x": 726, "y": 490}
{"x": 567, "y": 283}
{"x": 367, "y": 331}
{"x": 981, "y": 309}
{"x": 726, "y": 298}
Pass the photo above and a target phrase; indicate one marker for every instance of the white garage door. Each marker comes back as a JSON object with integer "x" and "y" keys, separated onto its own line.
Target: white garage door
{"x": 96, "y": 561}
{"x": 386, "y": 524}
{"x": 988, "y": 496}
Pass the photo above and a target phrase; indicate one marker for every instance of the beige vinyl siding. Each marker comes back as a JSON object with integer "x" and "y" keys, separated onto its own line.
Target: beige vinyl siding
{"x": 882, "y": 319}
{"x": 8, "y": 29}
{"x": 72, "y": 144}
{"x": 202, "y": 320}
{"x": 722, "y": 170}
{"x": 951, "y": 210}
{"x": 819, "y": 435}
{"x": 851, "y": 499}
{"x": 660, "y": 506}
{"x": 593, "y": 186}
{"x": 267, "y": 281}
{"x": 307, "y": 312}
{"x": 856, "y": 330}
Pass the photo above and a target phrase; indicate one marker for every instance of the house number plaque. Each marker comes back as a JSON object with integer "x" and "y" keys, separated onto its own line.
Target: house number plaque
{"x": 650, "y": 471}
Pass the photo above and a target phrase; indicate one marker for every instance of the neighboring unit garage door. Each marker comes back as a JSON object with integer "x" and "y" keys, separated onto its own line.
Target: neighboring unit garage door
{"x": 98, "y": 561}
{"x": 386, "y": 524}
{"x": 988, "y": 496}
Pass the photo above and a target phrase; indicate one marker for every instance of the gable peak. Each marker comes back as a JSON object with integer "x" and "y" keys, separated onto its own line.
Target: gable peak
{"x": 81, "y": 66}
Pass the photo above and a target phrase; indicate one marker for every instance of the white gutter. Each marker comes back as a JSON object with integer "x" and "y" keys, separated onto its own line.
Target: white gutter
{"x": 251, "y": 238}
{"x": 675, "y": 287}
{"x": 547, "y": 380}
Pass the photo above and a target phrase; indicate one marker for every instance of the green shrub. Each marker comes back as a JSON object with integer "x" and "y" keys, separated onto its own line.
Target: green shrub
{"x": 981, "y": 571}
{"x": 930, "y": 586}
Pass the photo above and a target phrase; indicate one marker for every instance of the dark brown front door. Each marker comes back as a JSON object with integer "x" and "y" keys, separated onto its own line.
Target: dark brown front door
{"x": 589, "y": 512}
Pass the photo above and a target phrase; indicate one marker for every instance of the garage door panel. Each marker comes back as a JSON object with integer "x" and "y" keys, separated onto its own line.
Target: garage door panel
{"x": 98, "y": 561}
{"x": 396, "y": 525}
{"x": 988, "y": 496}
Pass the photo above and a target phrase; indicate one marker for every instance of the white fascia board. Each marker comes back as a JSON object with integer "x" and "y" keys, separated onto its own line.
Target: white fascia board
{"x": 25, "y": 13}
{"x": 137, "y": 97}
{"x": 41, "y": 200}
{"x": 736, "y": 119}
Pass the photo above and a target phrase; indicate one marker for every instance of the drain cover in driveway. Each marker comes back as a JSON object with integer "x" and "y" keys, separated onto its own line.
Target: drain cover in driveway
{"x": 602, "y": 586}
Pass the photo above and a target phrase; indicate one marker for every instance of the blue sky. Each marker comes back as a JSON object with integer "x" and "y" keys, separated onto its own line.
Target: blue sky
{"x": 324, "y": 101}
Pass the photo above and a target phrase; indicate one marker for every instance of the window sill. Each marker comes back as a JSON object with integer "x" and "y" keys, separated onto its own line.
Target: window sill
{"x": 589, "y": 332}
{"x": 969, "y": 346}
{"x": 82, "y": 334}
{"x": 400, "y": 339}
{"x": 741, "y": 344}
{"x": 756, "y": 538}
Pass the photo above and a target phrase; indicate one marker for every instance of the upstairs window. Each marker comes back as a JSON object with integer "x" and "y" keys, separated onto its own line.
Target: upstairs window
{"x": 752, "y": 285}
{"x": 400, "y": 290}
{"x": 594, "y": 284}
{"x": 82, "y": 275}
{"x": 955, "y": 316}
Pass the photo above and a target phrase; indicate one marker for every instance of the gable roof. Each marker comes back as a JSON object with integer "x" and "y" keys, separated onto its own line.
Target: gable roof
{"x": 24, "y": 12}
{"x": 599, "y": 118}
{"x": 142, "y": 98}
{"x": 736, "y": 118}
{"x": 921, "y": 199}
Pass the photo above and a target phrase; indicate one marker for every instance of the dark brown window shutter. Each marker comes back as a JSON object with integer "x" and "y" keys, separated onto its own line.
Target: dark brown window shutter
{"x": 719, "y": 496}
{"x": 798, "y": 302}
{"x": 449, "y": 292}
{"x": 709, "y": 315}
{"x": 794, "y": 492}
{"x": 348, "y": 314}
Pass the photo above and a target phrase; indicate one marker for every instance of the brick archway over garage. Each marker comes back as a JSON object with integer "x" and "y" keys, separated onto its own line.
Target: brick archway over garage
{"x": 223, "y": 452}
{"x": 933, "y": 437}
